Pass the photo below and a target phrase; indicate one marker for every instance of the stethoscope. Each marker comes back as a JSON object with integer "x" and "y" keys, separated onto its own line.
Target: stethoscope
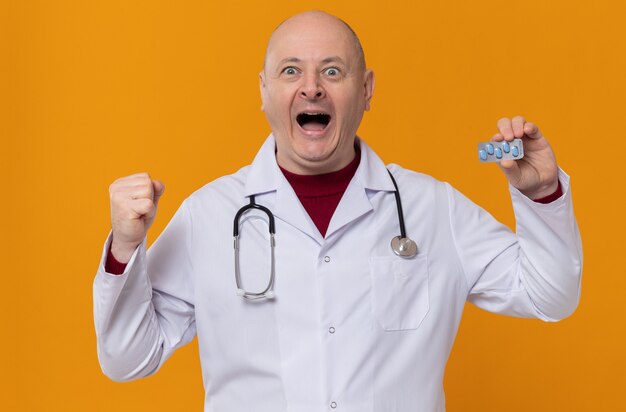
{"x": 401, "y": 245}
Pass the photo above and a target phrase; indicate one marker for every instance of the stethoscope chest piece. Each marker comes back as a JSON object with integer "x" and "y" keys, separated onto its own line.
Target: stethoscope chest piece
{"x": 403, "y": 246}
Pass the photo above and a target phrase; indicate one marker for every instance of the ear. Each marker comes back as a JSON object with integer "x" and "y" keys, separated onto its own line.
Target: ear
{"x": 370, "y": 82}
{"x": 262, "y": 88}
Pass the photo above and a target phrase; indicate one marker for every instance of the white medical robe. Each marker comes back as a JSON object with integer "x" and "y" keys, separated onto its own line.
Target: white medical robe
{"x": 353, "y": 327}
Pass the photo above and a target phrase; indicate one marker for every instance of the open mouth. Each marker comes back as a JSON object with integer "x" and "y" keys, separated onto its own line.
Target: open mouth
{"x": 313, "y": 121}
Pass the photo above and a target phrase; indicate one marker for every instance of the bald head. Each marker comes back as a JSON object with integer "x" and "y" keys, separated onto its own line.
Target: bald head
{"x": 316, "y": 20}
{"x": 314, "y": 90}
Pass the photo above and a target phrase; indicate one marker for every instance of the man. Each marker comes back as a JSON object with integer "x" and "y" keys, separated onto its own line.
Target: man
{"x": 346, "y": 323}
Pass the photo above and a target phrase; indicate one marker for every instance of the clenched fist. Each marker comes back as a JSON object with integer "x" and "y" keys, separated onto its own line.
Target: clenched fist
{"x": 134, "y": 201}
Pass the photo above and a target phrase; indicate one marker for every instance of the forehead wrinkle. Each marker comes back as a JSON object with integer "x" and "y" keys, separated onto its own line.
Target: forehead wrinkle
{"x": 290, "y": 60}
{"x": 331, "y": 59}
{"x": 357, "y": 43}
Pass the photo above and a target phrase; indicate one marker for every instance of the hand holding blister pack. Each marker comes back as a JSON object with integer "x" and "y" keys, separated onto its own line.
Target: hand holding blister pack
{"x": 497, "y": 151}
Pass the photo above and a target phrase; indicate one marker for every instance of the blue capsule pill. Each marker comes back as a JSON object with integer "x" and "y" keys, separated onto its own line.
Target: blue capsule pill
{"x": 498, "y": 153}
{"x": 506, "y": 147}
{"x": 482, "y": 154}
{"x": 515, "y": 151}
{"x": 489, "y": 148}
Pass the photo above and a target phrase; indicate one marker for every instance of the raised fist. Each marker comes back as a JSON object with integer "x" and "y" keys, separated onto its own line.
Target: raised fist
{"x": 134, "y": 201}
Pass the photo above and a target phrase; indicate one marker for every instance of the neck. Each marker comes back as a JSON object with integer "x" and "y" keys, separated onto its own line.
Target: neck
{"x": 306, "y": 167}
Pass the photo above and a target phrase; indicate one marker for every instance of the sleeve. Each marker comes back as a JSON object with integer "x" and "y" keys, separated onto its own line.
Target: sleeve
{"x": 535, "y": 272}
{"x": 143, "y": 315}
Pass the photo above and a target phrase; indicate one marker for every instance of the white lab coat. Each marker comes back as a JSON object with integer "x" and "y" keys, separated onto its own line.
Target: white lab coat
{"x": 353, "y": 327}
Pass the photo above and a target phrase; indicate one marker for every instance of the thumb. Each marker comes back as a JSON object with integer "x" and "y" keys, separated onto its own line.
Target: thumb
{"x": 511, "y": 170}
{"x": 158, "y": 188}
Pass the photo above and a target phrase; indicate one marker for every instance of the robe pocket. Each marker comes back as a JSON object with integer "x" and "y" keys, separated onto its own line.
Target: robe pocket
{"x": 400, "y": 291}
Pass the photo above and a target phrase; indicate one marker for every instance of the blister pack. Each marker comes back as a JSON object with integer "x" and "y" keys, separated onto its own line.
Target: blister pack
{"x": 496, "y": 151}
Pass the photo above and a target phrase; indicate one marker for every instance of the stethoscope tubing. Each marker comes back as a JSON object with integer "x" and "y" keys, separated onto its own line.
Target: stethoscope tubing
{"x": 401, "y": 245}
{"x": 253, "y": 205}
{"x": 398, "y": 206}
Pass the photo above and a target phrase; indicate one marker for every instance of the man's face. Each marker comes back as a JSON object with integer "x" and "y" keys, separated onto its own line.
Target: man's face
{"x": 314, "y": 90}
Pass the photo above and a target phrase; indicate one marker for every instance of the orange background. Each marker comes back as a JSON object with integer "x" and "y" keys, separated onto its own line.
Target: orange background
{"x": 94, "y": 90}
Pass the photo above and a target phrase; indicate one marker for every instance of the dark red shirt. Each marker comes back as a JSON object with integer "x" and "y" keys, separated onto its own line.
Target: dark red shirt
{"x": 320, "y": 194}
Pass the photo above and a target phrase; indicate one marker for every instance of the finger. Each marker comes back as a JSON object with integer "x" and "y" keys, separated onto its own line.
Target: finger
{"x": 531, "y": 130}
{"x": 508, "y": 164}
{"x": 518, "y": 126}
{"x": 143, "y": 207}
{"x": 504, "y": 126}
{"x": 158, "y": 188}
{"x": 511, "y": 170}
{"x": 137, "y": 177}
{"x": 497, "y": 137}
{"x": 141, "y": 175}
{"x": 144, "y": 192}
{"x": 127, "y": 181}
{"x": 135, "y": 192}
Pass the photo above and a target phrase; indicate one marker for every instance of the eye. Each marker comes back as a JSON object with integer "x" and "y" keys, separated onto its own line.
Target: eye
{"x": 290, "y": 70}
{"x": 331, "y": 71}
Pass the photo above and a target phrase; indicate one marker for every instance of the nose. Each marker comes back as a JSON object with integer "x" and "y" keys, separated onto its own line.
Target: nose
{"x": 312, "y": 89}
